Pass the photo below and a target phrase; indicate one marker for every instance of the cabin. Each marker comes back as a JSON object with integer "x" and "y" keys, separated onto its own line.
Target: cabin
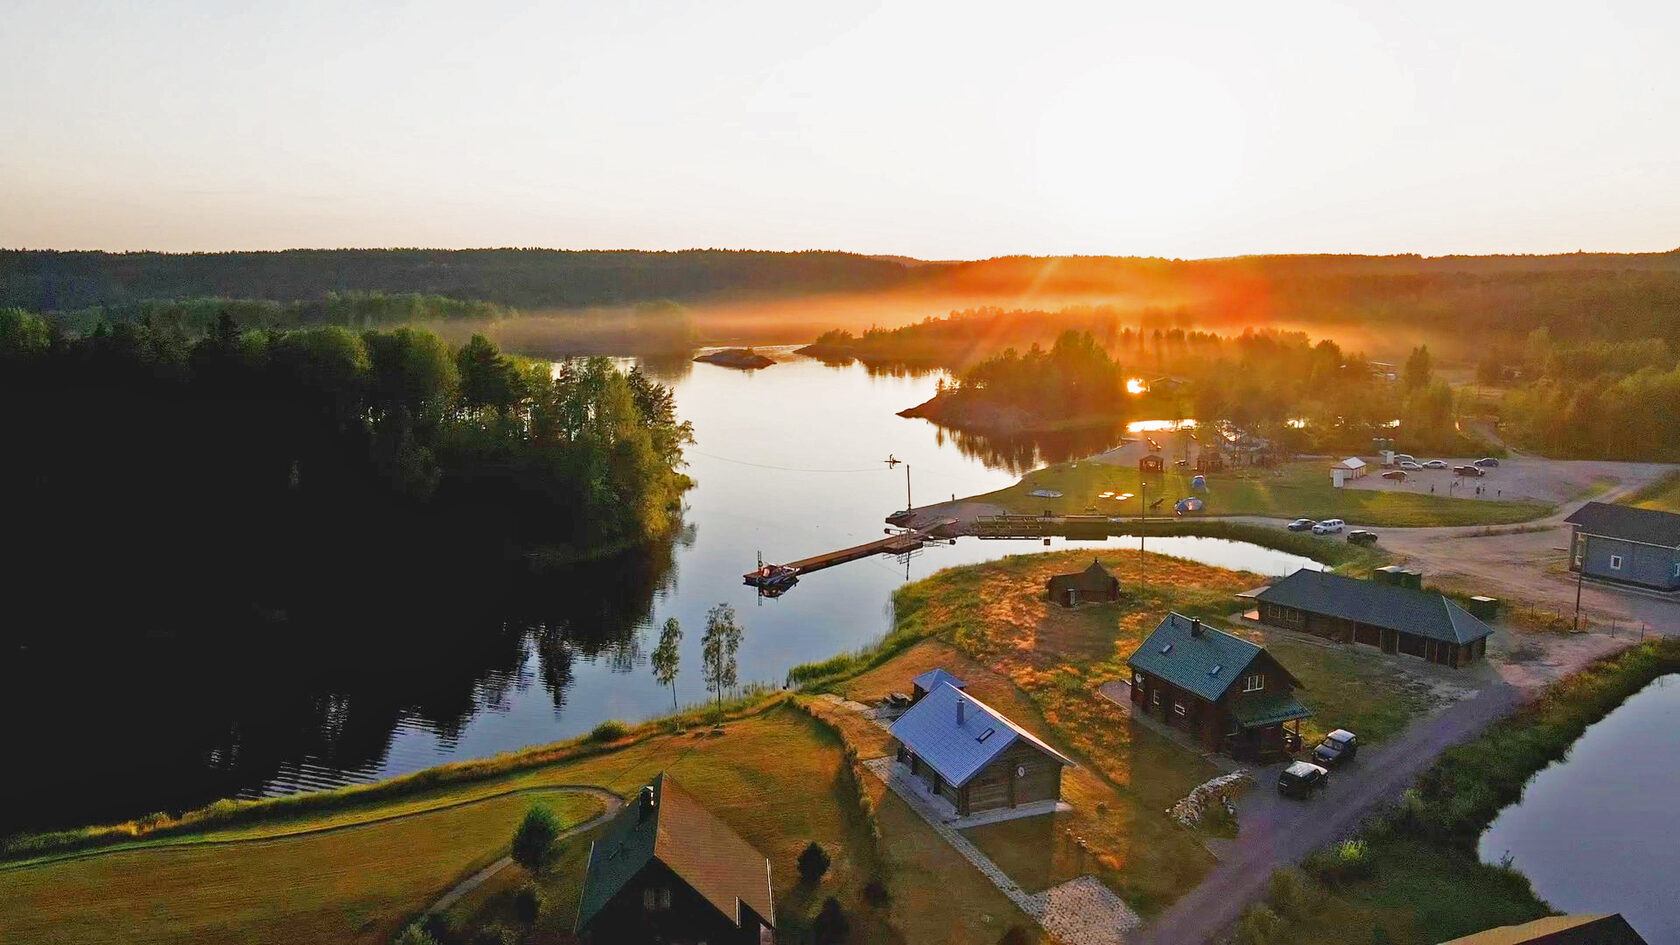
{"x": 931, "y": 680}
{"x": 1392, "y": 618}
{"x": 1151, "y": 463}
{"x": 969, "y": 754}
{"x": 1230, "y": 693}
{"x": 1094, "y": 583}
{"x": 1627, "y": 545}
{"x": 1347, "y": 470}
{"x": 1609, "y": 929}
{"x": 666, "y": 870}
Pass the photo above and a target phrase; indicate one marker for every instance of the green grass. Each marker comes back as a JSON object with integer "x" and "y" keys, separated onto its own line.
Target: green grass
{"x": 1347, "y": 689}
{"x": 1293, "y": 490}
{"x": 350, "y": 884}
{"x": 1664, "y": 494}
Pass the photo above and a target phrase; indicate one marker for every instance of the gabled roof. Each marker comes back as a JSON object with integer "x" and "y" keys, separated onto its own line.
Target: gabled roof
{"x": 1096, "y": 576}
{"x": 1609, "y": 929}
{"x": 959, "y": 750}
{"x": 1205, "y": 664}
{"x": 682, "y": 834}
{"x": 1424, "y": 613}
{"x": 931, "y": 680}
{"x": 1352, "y": 462}
{"x": 1646, "y": 526}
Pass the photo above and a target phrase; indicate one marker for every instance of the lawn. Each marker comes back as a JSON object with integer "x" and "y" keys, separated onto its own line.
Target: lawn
{"x": 352, "y": 884}
{"x": 1348, "y": 689}
{"x": 1293, "y": 490}
{"x": 1664, "y": 495}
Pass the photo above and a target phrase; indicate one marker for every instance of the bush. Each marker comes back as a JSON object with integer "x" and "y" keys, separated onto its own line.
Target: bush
{"x": 1290, "y": 895}
{"x": 442, "y": 929}
{"x": 1346, "y": 862}
{"x": 1015, "y": 936}
{"x": 875, "y": 893}
{"x": 496, "y": 935}
{"x": 609, "y": 731}
{"x": 533, "y": 842}
{"x": 831, "y": 925}
{"x": 528, "y": 904}
{"x": 415, "y": 935}
{"x": 1260, "y": 926}
{"x": 813, "y": 862}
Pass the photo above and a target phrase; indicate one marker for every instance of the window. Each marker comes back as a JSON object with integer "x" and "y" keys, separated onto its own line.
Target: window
{"x": 664, "y": 897}
{"x": 1615, "y": 562}
{"x": 1178, "y": 707}
{"x": 984, "y": 735}
{"x": 1254, "y": 683}
{"x": 656, "y": 898}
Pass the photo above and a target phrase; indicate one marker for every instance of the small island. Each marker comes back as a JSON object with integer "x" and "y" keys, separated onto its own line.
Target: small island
{"x": 744, "y": 358}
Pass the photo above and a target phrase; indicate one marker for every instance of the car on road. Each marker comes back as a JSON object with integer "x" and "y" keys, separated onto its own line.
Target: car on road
{"x": 1328, "y": 526}
{"x": 1302, "y": 779}
{"x": 1487, "y": 462}
{"x": 1360, "y": 536}
{"x": 1410, "y": 466}
{"x": 1468, "y": 470}
{"x": 1398, "y": 475}
{"x": 1338, "y": 748}
{"x": 1301, "y": 525}
{"x": 1402, "y": 459}
{"x": 1435, "y": 464}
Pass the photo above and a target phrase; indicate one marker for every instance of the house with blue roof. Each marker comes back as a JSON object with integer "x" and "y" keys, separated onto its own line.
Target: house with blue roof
{"x": 974, "y": 757}
{"x": 931, "y": 680}
{"x": 1231, "y": 694}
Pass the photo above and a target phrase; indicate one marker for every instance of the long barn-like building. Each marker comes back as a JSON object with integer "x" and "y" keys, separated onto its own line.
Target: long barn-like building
{"x": 1394, "y": 619}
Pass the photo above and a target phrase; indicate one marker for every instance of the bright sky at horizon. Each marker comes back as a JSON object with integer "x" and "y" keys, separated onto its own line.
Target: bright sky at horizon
{"x": 931, "y": 130}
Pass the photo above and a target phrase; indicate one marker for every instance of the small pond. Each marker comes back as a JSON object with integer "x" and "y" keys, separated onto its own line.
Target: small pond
{"x": 1595, "y": 830}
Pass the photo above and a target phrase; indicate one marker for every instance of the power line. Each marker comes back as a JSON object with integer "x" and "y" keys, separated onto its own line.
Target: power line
{"x": 743, "y": 462}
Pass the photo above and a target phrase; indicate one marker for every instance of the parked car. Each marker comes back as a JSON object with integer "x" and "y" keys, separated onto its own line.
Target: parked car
{"x": 1301, "y": 779}
{"x": 1338, "y": 748}
{"x": 1435, "y": 464}
{"x": 1398, "y": 475}
{"x": 1475, "y": 471}
{"x": 1487, "y": 462}
{"x": 1301, "y": 525}
{"x": 1328, "y": 526}
{"x": 1360, "y": 536}
{"x": 1404, "y": 458}
{"x": 1410, "y": 466}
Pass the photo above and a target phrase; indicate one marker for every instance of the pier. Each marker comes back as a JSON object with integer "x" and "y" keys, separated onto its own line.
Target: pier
{"x": 896, "y": 544}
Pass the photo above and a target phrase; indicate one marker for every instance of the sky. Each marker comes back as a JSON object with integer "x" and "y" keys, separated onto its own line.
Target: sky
{"x": 936, "y": 130}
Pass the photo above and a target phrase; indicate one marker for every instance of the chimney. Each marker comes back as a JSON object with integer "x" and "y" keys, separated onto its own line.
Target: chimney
{"x": 961, "y": 705}
{"x": 645, "y": 805}
{"x": 1195, "y": 626}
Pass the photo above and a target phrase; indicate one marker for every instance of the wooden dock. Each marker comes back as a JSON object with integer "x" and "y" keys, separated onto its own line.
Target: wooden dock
{"x": 898, "y": 544}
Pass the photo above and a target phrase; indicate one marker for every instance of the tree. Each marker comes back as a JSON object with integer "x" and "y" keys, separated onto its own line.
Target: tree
{"x": 813, "y": 862}
{"x": 487, "y": 379}
{"x": 533, "y": 842}
{"x": 528, "y": 904}
{"x": 1418, "y": 368}
{"x": 718, "y": 648}
{"x": 831, "y": 925}
{"x": 666, "y": 658}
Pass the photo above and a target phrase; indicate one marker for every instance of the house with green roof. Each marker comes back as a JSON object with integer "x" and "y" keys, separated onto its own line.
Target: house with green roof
{"x": 667, "y": 870}
{"x": 1392, "y": 618}
{"x": 1229, "y": 693}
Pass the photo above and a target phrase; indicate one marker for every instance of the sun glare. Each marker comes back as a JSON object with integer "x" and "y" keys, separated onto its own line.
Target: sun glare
{"x": 1136, "y": 385}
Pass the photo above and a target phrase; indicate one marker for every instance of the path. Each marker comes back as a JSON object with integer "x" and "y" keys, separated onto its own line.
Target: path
{"x": 1274, "y": 831}
{"x": 613, "y": 803}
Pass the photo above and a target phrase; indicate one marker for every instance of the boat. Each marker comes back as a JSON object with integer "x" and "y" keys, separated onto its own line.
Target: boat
{"x": 771, "y": 576}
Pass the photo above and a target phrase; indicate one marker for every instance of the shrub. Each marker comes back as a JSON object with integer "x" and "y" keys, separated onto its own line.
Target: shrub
{"x": 528, "y": 903}
{"x": 813, "y": 862}
{"x": 496, "y": 935}
{"x": 609, "y": 731}
{"x": 1345, "y": 862}
{"x": 1290, "y": 895}
{"x": 442, "y": 929}
{"x": 415, "y": 935}
{"x": 875, "y": 893}
{"x": 831, "y": 925}
{"x": 533, "y": 842}
{"x": 1260, "y": 926}
{"x": 1015, "y": 936}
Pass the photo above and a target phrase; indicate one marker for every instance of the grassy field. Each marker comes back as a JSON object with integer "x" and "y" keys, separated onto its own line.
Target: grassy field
{"x": 349, "y": 884}
{"x": 1293, "y": 490}
{"x": 1348, "y": 689}
{"x": 1664, "y": 494}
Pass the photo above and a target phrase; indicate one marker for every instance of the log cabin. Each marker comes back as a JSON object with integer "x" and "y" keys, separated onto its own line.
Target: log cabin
{"x": 975, "y": 758}
{"x": 1394, "y": 619}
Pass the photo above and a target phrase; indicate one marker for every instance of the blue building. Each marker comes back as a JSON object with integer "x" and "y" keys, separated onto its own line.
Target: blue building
{"x": 1627, "y": 545}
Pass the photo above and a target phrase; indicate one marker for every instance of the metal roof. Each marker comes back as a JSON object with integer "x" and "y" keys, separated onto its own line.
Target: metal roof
{"x": 1645, "y": 526}
{"x": 959, "y": 750}
{"x": 1404, "y": 609}
{"x": 1205, "y": 665}
{"x": 681, "y": 833}
{"x": 1254, "y": 711}
{"x": 930, "y": 680}
{"x": 1352, "y": 462}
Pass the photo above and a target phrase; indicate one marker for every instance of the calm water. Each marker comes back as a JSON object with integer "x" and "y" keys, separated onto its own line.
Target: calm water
{"x": 1595, "y": 830}
{"x": 788, "y": 462}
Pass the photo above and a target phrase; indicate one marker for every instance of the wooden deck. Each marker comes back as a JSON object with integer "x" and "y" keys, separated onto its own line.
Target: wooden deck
{"x": 891, "y": 545}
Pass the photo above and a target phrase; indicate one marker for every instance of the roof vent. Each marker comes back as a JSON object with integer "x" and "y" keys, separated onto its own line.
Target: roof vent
{"x": 1195, "y": 626}
{"x": 984, "y": 735}
{"x": 1166, "y": 649}
{"x": 644, "y": 807}
{"x": 1215, "y": 670}
{"x": 961, "y": 707}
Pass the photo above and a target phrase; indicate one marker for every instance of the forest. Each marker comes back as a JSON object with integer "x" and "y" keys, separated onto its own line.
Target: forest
{"x": 252, "y": 462}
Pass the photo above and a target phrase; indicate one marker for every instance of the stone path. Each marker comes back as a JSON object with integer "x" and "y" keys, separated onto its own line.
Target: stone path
{"x": 1080, "y": 911}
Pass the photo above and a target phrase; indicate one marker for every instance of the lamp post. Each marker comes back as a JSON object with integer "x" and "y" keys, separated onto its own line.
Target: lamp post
{"x": 1143, "y": 500}
{"x": 1580, "y": 573}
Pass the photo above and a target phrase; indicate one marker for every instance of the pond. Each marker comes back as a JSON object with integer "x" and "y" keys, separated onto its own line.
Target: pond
{"x": 1594, "y": 830}
{"x": 788, "y": 461}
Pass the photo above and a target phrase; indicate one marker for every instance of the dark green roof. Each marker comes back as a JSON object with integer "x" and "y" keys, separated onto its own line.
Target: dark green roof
{"x": 1205, "y": 663}
{"x": 1253, "y": 711}
{"x": 624, "y": 847}
{"x": 1424, "y": 613}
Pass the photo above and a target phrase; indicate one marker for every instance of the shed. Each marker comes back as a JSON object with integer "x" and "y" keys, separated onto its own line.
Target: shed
{"x": 1396, "y": 619}
{"x": 1151, "y": 463}
{"x": 971, "y": 755}
{"x": 931, "y": 680}
{"x": 1092, "y": 584}
{"x": 1347, "y": 470}
{"x": 1627, "y": 545}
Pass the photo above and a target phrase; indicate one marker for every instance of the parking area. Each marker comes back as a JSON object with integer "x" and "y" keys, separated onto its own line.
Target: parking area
{"x": 1518, "y": 478}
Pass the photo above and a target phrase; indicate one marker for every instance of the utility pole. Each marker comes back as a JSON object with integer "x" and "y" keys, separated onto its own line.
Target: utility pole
{"x": 1143, "y": 500}
{"x": 908, "y": 505}
{"x": 1580, "y": 573}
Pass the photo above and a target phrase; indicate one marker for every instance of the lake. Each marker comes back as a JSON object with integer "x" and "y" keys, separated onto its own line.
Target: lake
{"x": 1588, "y": 828}
{"x": 788, "y": 462}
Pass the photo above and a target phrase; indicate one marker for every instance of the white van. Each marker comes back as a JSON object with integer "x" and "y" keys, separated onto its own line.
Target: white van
{"x": 1329, "y": 526}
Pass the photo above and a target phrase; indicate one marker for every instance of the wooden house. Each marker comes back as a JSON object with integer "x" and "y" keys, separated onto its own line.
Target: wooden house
{"x": 666, "y": 870}
{"x": 931, "y": 680}
{"x": 968, "y": 753}
{"x": 1393, "y": 618}
{"x": 1094, "y": 583}
{"x": 1627, "y": 545}
{"x": 1231, "y": 694}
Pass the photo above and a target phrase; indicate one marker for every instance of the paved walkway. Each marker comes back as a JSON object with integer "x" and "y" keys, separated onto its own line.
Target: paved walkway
{"x": 613, "y": 802}
{"x": 1081, "y": 911}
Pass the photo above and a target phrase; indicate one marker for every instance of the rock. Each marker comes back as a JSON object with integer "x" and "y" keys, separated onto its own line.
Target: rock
{"x": 745, "y": 358}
